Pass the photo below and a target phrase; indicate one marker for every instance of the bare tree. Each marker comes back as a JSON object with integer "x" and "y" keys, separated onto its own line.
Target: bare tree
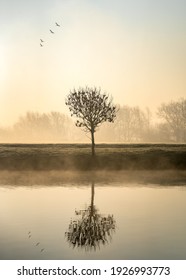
{"x": 91, "y": 109}
{"x": 174, "y": 114}
{"x": 32, "y": 126}
{"x": 132, "y": 124}
{"x": 61, "y": 125}
{"x": 91, "y": 229}
{"x": 43, "y": 127}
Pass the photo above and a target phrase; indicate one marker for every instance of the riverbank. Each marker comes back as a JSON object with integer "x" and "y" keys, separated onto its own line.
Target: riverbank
{"x": 113, "y": 157}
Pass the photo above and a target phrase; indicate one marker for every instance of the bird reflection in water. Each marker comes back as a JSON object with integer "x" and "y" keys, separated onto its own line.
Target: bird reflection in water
{"x": 91, "y": 229}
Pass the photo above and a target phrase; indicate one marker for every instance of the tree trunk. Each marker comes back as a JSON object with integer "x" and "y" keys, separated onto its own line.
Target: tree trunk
{"x": 92, "y": 198}
{"x": 93, "y": 143}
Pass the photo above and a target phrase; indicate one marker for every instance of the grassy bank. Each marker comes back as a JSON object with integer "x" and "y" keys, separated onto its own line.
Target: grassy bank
{"x": 78, "y": 157}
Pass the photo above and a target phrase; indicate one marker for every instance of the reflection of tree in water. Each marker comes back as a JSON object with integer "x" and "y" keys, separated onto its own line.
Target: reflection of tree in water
{"x": 91, "y": 229}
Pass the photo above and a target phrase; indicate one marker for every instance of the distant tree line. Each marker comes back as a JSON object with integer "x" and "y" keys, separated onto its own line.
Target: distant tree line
{"x": 174, "y": 116}
{"x": 132, "y": 125}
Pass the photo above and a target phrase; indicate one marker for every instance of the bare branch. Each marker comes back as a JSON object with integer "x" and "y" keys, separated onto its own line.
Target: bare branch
{"x": 91, "y": 108}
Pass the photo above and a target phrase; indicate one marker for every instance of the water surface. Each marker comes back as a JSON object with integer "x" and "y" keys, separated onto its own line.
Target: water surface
{"x": 134, "y": 220}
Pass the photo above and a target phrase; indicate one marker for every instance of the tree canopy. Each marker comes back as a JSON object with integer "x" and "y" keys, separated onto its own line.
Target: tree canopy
{"x": 91, "y": 108}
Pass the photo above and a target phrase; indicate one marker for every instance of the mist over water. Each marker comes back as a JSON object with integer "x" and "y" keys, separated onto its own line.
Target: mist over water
{"x": 39, "y": 209}
{"x": 142, "y": 178}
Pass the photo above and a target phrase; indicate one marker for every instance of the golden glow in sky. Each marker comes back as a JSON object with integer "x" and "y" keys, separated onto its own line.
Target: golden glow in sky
{"x": 134, "y": 50}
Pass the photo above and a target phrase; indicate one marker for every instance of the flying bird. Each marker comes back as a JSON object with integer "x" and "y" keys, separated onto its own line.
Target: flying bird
{"x": 57, "y": 24}
{"x": 37, "y": 243}
{"x": 41, "y": 45}
{"x": 41, "y": 41}
{"x": 51, "y": 31}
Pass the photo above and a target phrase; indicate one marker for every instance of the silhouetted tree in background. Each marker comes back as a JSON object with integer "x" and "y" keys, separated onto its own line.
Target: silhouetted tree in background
{"x": 91, "y": 108}
{"x": 132, "y": 125}
{"x": 91, "y": 229}
{"x": 45, "y": 127}
{"x": 174, "y": 115}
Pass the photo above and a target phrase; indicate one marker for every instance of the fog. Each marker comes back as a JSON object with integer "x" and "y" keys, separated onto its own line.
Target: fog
{"x": 132, "y": 125}
{"x": 124, "y": 178}
{"x": 133, "y": 50}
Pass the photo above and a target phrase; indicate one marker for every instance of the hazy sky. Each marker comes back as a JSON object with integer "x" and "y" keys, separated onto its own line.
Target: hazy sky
{"x": 134, "y": 50}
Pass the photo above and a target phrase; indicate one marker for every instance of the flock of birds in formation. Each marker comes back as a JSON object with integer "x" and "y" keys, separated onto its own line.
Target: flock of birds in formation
{"x": 51, "y": 31}
{"x": 37, "y": 244}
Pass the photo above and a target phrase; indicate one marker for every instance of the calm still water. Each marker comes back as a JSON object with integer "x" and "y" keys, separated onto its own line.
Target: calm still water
{"x": 93, "y": 220}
